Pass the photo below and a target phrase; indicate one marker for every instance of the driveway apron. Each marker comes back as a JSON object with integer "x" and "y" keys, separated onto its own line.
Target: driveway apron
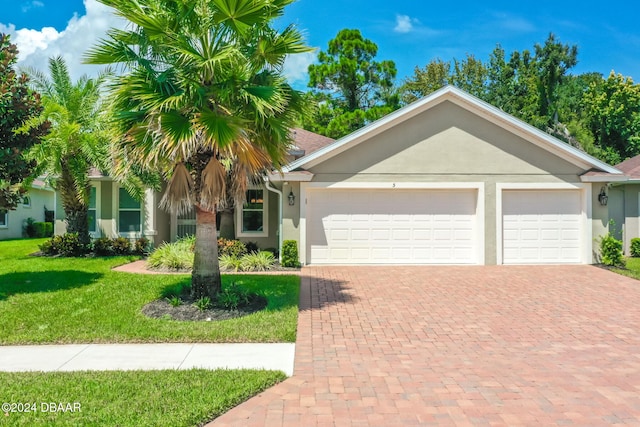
{"x": 476, "y": 345}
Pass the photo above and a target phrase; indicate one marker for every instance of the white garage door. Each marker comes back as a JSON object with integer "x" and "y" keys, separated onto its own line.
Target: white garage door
{"x": 392, "y": 226}
{"x": 542, "y": 227}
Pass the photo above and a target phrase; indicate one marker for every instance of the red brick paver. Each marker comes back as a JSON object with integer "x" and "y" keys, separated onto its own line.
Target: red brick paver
{"x": 504, "y": 345}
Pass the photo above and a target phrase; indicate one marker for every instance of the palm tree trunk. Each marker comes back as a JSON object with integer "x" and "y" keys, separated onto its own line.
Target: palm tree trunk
{"x": 75, "y": 209}
{"x": 205, "y": 277}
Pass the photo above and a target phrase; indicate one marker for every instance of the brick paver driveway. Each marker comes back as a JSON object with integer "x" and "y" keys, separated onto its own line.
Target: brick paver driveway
{"x": 400, "y": 346}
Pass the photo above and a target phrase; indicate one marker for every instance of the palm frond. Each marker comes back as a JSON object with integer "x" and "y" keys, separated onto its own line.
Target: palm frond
{"x": 213, "y": 184}
{"x": 178, "y": 196}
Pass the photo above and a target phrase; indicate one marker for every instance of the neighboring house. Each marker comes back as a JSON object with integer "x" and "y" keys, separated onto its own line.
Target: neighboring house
{"x": 624, "y": 203}
{"x": 448, "y": 179}
{"x": 39, "y": 198}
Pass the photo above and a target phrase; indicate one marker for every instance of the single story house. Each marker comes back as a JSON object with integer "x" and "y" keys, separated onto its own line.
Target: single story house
{"x": 35, "y": 202}
{"x": 448, "y": 179}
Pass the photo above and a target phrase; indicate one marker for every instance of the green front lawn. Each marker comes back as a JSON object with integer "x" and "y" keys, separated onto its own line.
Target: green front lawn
{"x": 80, "y": 300}
{"x": 632, "y": 268}
{"x": 134, "y": 398}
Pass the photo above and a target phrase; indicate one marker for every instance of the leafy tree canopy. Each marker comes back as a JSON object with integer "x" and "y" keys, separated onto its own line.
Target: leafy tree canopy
{"x": 350, "y": 87}
{"x": 18, "y": 103}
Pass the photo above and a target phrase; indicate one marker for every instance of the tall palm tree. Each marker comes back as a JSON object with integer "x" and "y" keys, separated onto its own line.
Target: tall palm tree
{"x": 203, "y": 89}
{"x": 77, "y": 140}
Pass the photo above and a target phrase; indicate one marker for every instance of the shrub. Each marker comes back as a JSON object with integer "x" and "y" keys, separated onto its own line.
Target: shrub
{"x": 174, "y": 300}
{"x": 611, "y": 251}
{"x": 230, "y": 263}
{"x": 257, "y": 261}
{"x": 103, "y": 246}
{"x": 44, "y": 229}
{"x": 231, "y": 247}
{"x": 30, "y": 228}
{"x": 141, "y": 246}
{"x": 174, "y": 256}
{"x": 121, "y": 246}
{"x": 252, "y": 247}
{"x": 65, "y": 245}
{"x": 203, "y": 303}
{"x": 635, "y": 247}
{"x": 233, "y": 297}
{"x": 290, "y": 254}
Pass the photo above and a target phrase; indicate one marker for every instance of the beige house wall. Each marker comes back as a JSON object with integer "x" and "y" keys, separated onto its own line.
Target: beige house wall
{"x": 17, "y": 219}
{"x": 449, "y": 144}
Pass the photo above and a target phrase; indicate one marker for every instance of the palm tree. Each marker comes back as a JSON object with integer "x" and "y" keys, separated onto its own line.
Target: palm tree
{"x": 203, "y": 89}
{"x": 76, "y": 142}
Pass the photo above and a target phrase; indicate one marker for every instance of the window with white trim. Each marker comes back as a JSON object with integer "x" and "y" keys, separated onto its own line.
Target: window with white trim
{"x": 252, "y": 218}
{"x": 4, "y": 218}
{"x": 129, "y": 213}
{"x": 93, "y": 210}
{"x": 26, "y": 201}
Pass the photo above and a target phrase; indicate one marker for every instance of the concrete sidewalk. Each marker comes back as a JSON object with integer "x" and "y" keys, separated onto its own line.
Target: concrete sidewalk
{"x": 126, "y": 357}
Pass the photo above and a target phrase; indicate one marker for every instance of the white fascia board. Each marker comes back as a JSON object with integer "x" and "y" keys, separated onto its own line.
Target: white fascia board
{"x": 295, "y": 176}
{"x": 605, "y": 178}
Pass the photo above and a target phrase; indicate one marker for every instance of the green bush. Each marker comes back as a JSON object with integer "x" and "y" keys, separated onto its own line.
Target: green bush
{"x": 611, "y": 251}
{"x": 230, "y": 263}
{"x": 233, "y": 297}
{"x": 47, "y": 229}
{"x": 173, "y": 256}
{"x": 635, "y": 247}
{"x": 103, "y": 246}
{"x": 141, "y": 246}
{"x": 231, "y": 247}
{"x": 30, "y": 228}
{"x": 121, "y": 246}
{"x": 252, "y": 247}
{"x": 65, "y": 245}
{"x": 290, "y": 254}
{"x": 257, "y": 261}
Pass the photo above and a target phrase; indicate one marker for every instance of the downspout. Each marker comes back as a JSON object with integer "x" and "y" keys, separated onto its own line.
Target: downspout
{"x": 267, "y": 184}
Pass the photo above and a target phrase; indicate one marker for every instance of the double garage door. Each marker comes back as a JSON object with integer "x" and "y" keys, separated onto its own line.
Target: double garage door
{"x": 392, "y": 226}
{"x": 401, "y": 226}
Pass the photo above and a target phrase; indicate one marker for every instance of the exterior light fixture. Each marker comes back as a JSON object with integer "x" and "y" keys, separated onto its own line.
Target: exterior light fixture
{"x": 602, "y": 197}
{"x": 292, "y": 198}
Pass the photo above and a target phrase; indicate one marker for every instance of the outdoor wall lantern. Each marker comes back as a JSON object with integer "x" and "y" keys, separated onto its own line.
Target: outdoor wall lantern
{"x": 602, "y": 197}
{"x": 292, "y": 198}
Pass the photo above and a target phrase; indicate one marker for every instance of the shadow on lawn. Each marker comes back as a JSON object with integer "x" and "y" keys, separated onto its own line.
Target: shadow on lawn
{"x": 44, "y": 281}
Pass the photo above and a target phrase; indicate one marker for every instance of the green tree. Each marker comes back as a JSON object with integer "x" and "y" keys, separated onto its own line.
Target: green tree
{"x": 612, "y": 107}
{"x": 203, "y": 87}
{"x": 354, "y": 88}
{"x": 553, "y": 61}
{"x": 435, "y": 75}
{"x": 77, "y": 140}
{"x": 18, "y": 103}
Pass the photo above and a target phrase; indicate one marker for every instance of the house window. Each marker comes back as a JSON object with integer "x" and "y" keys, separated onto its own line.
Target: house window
{"x": 4, "y": 218}
{"x": 129, "y": 213}
{"x": 26, "y": 201}
{"x": 252, "y": 218}
{"x": 93, "y": 210}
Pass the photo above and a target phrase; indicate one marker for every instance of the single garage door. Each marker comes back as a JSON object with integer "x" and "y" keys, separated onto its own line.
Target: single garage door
{"x": 392, "y": 226}
{"x": 542, "y": 227}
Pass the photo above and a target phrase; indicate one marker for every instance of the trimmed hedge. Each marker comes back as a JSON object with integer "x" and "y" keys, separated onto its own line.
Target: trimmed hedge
{"x": 290, "y": 254}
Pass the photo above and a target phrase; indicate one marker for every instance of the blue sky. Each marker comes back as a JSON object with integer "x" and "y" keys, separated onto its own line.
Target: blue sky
{"x": 409, "y": 32}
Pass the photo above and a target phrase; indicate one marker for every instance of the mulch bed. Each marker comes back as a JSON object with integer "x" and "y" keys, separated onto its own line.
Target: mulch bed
{"x": 187, "y": 311}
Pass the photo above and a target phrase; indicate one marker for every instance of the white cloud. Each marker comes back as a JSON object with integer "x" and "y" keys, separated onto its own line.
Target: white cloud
{"x": 296, "y": 66}
{"x": 30, "y": 5}
{"x": 404, "y": 24}
{"x": 82, "y": 32}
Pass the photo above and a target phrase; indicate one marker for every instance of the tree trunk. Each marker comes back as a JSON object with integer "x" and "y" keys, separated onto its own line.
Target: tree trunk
{"x": 205, "y": 277}
{"x": 227, "y": 228}
{"x": 75, "y": 205}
